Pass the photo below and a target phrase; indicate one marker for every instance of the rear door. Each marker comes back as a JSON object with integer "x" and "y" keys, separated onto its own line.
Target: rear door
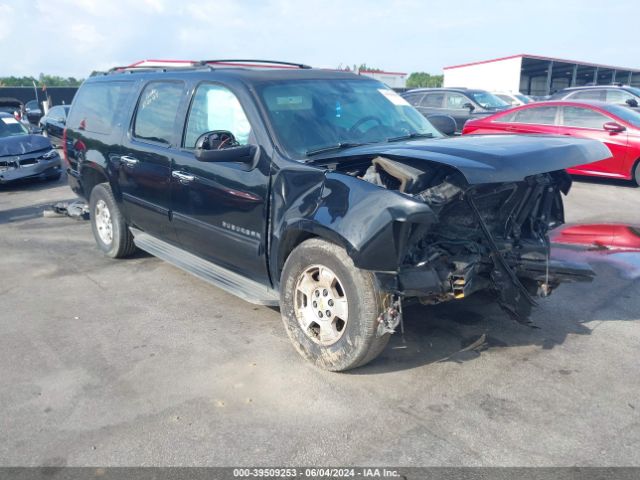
{"x": 144, "y": 168}
{"x": 577, "y": 121}
{"x": 220, "y": 208}
{"x": 431, "y": 103}
{"x": 536, "y": 119}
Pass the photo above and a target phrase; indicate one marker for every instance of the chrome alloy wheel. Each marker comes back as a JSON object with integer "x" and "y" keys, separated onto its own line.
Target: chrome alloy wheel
{"x": 104, "y": 225}
{"x": 321, "y": 305}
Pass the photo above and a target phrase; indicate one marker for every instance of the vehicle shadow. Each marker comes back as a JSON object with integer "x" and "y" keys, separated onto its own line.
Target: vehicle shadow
{"x": 462, "y": 330}
{"x": 604, "y": 181}
{"x": 32, "y": 185}
{"x": 21, "y": 214}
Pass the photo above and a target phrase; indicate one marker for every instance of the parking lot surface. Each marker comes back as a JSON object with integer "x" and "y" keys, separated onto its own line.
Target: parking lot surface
{"x": 134, "y": 362}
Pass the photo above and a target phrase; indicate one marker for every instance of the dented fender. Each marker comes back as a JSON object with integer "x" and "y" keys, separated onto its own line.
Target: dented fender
{"x": 370, "y": 222}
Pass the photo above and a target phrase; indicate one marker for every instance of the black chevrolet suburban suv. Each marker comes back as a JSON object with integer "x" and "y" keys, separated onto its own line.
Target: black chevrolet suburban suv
{"x": 321, "y": 192}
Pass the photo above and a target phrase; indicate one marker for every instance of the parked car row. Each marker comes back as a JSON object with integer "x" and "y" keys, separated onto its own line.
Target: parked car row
{"x": 606, "y": 113}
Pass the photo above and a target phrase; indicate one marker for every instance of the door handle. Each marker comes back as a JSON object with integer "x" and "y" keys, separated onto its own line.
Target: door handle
{"x": 183, "y": 177}
{"x": 128, "y": 161}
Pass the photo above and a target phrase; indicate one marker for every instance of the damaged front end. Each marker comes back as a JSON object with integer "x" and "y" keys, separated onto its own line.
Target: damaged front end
{"x": 486, "y": 236}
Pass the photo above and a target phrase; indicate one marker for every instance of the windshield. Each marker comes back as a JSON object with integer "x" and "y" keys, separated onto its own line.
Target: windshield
{"x": 487, "y": 100}
{"x": 308, "y": 115}
{"x": 523, "y": 98}
{"x": 10, "y": 127}
{"x": 624, "y": 113}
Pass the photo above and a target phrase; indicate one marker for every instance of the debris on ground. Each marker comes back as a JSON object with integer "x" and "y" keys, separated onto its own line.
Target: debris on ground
{"x": 77, "y": 209}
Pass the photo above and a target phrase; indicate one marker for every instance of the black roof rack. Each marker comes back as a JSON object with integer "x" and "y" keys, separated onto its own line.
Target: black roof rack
{"x": 194, "y": 65}
{"x": 267, "y": 62}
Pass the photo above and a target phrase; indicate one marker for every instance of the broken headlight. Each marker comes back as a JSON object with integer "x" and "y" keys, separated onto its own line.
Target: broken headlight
{"x": 50, "y": 154}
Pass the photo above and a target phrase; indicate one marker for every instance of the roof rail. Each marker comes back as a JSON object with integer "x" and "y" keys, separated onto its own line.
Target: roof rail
{"x": 236, "y": 62}
{"x": 194, "y": 65}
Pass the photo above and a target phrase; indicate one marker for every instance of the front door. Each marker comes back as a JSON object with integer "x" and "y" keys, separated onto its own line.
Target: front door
{"x": 144, "y": 168}
{"x": 587, "y": 123}
{"x": 219, "y": 209}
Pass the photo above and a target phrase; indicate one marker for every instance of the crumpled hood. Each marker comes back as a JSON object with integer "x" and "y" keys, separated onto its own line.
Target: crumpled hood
{"x": 21, "y": 144}
{"x": 493, "y": 158}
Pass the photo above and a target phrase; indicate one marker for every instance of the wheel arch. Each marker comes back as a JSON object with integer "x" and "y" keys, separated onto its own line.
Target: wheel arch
{"x": 92, "y": 174}
{"x": 295, "y": 235}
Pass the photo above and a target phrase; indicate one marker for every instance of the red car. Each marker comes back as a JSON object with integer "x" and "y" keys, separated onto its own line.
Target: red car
{"x": 605, "y": 236}
{"x": 616, "y": 126}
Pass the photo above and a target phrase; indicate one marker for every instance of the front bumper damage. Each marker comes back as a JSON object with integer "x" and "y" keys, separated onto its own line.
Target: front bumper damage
{"x": 487, "y": 237}
{"x": 28, "y": 165}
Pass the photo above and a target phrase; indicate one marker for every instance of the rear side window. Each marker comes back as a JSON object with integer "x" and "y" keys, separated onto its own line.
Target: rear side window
{"x": 157, "y": 110}
{"x": 587, "y": 95}
{"x": 433, "y": 100}
{"x": 509, "y": 117}
{"x": 96, "y": 106}
{"x": 583, "y": 118}
{"x": 413, "y": 98}
{"x": 537, "y": 115}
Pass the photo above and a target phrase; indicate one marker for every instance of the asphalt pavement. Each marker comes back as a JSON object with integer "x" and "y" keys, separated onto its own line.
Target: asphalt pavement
{"x": 134, "y": 362}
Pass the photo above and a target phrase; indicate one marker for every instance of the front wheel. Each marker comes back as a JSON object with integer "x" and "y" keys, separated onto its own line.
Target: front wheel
{"x": 330, "y": 308}
{"x": 109, "y": 228}
{"x": 636, "y": 175}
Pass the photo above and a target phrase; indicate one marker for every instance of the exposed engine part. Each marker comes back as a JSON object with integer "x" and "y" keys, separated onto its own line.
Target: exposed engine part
{"x": 391, "y": 316}
{"x": 396, "y": 175}
{"x": 487, "y": 237}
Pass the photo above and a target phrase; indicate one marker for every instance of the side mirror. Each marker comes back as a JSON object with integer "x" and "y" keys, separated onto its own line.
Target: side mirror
{"x": 241, "y": 153}
{"x": 445, "y": 124}
{"x": 222, "y": 146}
{"x": 470, "y": 106}
{"x": 632, "y": 102}
{"x": 613, "y": 127}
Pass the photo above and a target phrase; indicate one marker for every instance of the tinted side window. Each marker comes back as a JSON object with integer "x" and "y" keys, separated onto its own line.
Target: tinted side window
{"x": 455, "y": 100}
{"x": 619, "y": 96}
{"x": 509, "y": 117}
{"x": 583, "y": 118}
{"x": 55, "y": 112}
{"x": 96, "y": 106}
{"x": 214, "y": 107}
{"x": 587, "y": 95}
{"x": 433, "y": 100}
{"x": 414, "y": 98}
{"x": 537, "y": 115}
{"x": 157, "y": 109}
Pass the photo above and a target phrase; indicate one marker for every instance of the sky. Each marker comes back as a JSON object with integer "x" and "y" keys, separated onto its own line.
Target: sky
{"x": 75, "y": 37}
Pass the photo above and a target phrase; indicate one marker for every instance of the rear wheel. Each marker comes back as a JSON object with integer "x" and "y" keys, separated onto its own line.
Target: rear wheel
{"x": 636, "y": 174}
{"x": 330, "y": 308}
{"x": 109, "y": 228}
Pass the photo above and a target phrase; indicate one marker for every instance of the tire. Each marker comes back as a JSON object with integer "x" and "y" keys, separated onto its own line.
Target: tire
{"x": 636, "y": 174}
{"x": 355, "y": 340}
{"x": 109, "y": 228}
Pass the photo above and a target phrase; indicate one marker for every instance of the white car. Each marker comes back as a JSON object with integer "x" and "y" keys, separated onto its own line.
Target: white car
{"x": 514, "y": 99}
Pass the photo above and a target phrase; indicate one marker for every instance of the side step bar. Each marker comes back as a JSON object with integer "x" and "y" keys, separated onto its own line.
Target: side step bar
{"x": 234, "y": 283}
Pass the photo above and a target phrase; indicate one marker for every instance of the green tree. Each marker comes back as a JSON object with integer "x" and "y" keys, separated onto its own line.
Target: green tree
{"x": 423, "y": 79}
{"x": 43, "y": 79}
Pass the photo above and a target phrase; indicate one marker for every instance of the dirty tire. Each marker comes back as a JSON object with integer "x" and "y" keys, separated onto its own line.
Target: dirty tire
{"x": 358, "y": 344}
{"x": 121, "y": 244}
